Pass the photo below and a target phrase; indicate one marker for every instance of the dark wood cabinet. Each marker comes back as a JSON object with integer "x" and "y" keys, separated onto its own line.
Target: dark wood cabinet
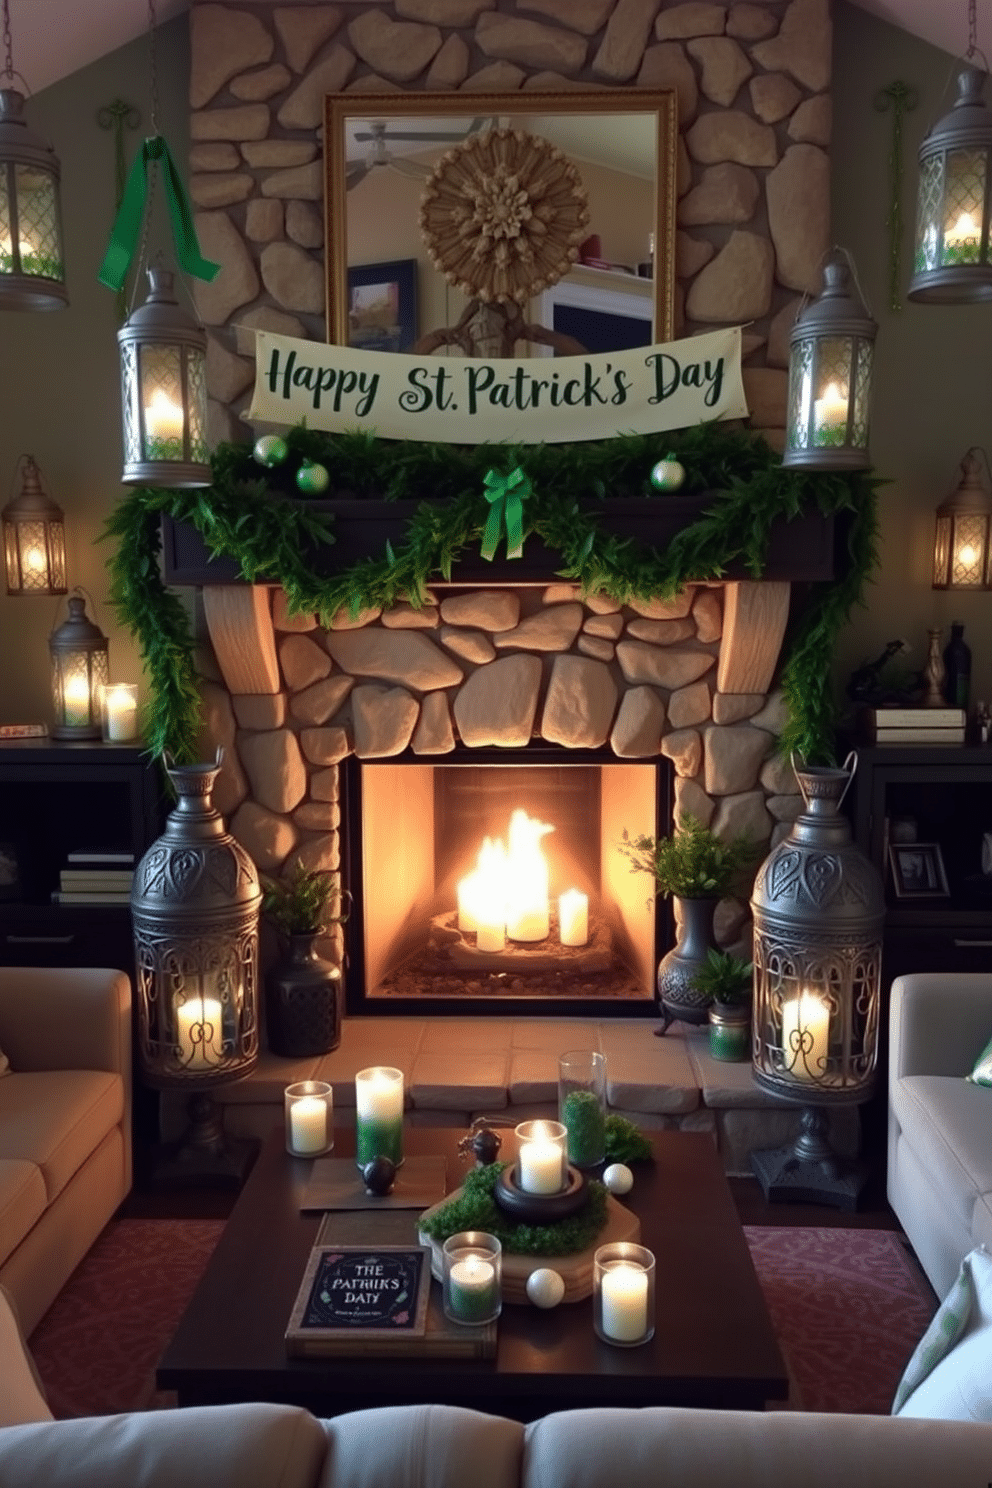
{"x": 55, "y": 798}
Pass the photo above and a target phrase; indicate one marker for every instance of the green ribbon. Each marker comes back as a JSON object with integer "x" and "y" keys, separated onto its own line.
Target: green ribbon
{"x": 127, "y": 224}
{"x": 505, "y": 494}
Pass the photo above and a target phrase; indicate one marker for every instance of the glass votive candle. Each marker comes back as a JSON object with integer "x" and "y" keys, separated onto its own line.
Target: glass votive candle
{"x": 379, "y": 1114}
{"x": 471, "y": 1277}
{"x": 623, "y": 1293}
{"x": 309, "y": 1108}
{"x": 542, "y": 1162}
{"x": 582, "y": 1106}
{"x": 119, "y": 712}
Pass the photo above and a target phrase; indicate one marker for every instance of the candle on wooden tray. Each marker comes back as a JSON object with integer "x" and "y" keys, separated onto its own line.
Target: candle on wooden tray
{"x": 573, "y": 918}
{"x": 541, "y": 1161}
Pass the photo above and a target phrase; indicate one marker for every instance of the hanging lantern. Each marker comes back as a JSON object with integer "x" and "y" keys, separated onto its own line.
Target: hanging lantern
{"x": 818, "y": 907}
{"x": 962, "y": 557}
{"x": 951, "y": 264}
{"x": 195, "y": 904}
{"x": 79, "y": 671}
{"x": 830, "y": 366}
{"x": 33, "y": 539}
{"x": 32, "y": 267}
{"x": 164, "y": 391}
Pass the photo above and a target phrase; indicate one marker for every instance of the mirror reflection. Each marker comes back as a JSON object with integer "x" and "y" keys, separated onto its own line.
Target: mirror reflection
{"x": 500, "y": 226}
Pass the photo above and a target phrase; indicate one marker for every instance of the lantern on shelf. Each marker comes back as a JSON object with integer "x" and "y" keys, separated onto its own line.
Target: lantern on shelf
{"x": 79, "y": 651}
{"x": 195, "y": 904}
{"x": 818, "y": 907}
{"x": 951, "y": 264}
{"x": 830, "y": 368}
{"x": 32, "y": 266}
{"x": 962, "y": 557}
{"x": 164, "y": 391}
{"x": 34, "y": 539}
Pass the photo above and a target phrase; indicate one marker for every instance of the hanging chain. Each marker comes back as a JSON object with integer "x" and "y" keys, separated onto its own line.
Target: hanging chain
{"x": 8, "y": 45}
{"x": 152, "y": 23}
{"x": 901, "y": 99}
{"x": 972, "y": 28}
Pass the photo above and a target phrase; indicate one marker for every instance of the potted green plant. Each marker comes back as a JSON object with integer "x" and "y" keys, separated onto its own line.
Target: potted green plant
{"x": 697, "y": 868}
{"x": 302, "y": 989}
{"x": 727, "y": 980}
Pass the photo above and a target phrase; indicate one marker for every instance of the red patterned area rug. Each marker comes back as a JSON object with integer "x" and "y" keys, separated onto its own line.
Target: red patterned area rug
{"x": 848, "y": 1307}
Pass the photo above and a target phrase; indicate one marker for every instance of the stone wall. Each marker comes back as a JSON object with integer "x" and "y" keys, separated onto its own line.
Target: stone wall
{"x": 753, "y": 168}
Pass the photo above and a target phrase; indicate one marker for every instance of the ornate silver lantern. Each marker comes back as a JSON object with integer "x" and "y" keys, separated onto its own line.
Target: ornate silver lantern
{"x": 818, "y": 907}
{"x": 80, "y": 669}
{"x": 951, "y": 262}
{"x": 962, "y": 555}
{"x": 195, "y": 905}
{"x": 34, "y": 538}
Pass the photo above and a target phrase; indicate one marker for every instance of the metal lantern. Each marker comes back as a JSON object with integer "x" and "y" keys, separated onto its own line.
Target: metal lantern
{"x": 33, "y": 539}
{"x": 831, "y": 350}
{"x": 79, "y": 651}
{"x": 195, "y": 904}
{"x": 951, "y": 264}
{"x": 962, "y": 558}
{"x": 818, "y": 907}
{"x": 164, "y": 391}
{"x": 32, "y": 266}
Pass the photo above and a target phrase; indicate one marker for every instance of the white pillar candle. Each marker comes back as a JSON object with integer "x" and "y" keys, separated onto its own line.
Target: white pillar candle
{"x": 805, "y": 1035}
{"x": 120, "y": 712}
{"x": 379, "y": 1094}
{"x": 624, "y": 1300}
{"x": 163, "y": 418}
{"x": 468, "y": 891}
{"x": 541, "y": 1160}
{"x": 830, "y": 411}
{"x": 573, "y": 918}
{"x": 199, "y": 1048}
{"x": 76, "y": 702}
{"x": 308, "y": 1124}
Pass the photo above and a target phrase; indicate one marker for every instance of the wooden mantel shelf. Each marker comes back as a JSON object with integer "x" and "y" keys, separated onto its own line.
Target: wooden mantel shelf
{"x": 802, "y": 550}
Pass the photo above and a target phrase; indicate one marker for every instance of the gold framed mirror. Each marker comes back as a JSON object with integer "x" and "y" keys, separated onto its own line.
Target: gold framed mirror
{"x": 401, "y": 271}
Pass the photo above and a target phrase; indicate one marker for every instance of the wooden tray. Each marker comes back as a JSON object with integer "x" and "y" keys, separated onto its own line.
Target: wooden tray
{"x": 574, "y": 1270}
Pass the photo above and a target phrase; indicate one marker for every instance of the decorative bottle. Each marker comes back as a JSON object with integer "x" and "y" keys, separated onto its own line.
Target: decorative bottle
{"x": 957, "y": 665}
{"x": 934, "y": 674}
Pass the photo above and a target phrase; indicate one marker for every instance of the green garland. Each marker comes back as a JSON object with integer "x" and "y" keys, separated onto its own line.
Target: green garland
{"x": 261, "y": 521}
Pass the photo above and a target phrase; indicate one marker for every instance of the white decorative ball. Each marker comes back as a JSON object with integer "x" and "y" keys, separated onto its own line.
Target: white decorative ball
{"x": 618, "y": 1178}
{"x": 545, "y": 1287}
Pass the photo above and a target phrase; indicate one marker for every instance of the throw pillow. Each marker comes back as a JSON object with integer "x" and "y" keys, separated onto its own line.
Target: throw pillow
{"x": 949, "y": 1376}
{"x": 982, "y": 1073}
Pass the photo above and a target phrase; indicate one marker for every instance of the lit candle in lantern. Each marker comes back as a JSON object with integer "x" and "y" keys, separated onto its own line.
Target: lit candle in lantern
{"x": 830, "y": 416}
{"x": 806, "y": 1035}
{"x": 76, "y": 702}
{"x": 120, "y": 713}
{"x": 961, "y": 240}
{"x": 199, "y": 1033}
{"x": 308, "y": 1124}
{"x": 573, "y": 918}
{"x": 163, "y": 427}
{"x": 527, "y": 909}
{"x": 35, "y": 562}
{"x": 541, "y": 1160}
{"x": 379, "y": 1114}
{"x": 624, "y": 1300}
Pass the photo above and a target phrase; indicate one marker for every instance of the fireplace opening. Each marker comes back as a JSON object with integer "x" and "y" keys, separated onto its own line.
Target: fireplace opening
{"x": 482, "y": 880}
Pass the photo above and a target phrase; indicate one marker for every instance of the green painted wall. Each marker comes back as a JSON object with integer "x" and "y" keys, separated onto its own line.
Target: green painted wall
{"x": 933, "y": 386}
{"x": 933, "y": 373}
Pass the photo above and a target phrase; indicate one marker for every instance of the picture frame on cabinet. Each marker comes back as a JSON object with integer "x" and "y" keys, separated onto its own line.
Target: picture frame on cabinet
{"x": 918, "y": 870}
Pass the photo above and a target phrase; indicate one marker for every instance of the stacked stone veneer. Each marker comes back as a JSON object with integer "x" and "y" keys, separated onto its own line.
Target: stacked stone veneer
{"x": 753, "y": 169}
{"x": 477, "y": 668}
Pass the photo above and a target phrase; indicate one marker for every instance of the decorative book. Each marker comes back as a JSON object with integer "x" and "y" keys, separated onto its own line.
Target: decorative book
{"x": 361, "y": 1299}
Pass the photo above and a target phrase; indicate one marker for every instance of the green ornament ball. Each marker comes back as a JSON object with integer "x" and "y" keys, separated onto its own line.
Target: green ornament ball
{"x": 312, "y": 478}
{"x": 270, "y": 450}
{"x": 668, "y": 474}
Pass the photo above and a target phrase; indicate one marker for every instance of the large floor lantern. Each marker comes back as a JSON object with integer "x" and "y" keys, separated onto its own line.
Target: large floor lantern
{"x": 818, "y": 907}
{"x": 831, "y": 351}
{"x": 195, "y": 904}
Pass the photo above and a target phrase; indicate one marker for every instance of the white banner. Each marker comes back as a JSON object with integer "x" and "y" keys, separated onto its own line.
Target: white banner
{"x": 474, "y": 400}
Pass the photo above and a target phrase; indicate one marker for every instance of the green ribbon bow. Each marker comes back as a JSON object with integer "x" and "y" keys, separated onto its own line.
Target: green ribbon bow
{"x": 505, "y": 494}
{"x": 130, "y": 214}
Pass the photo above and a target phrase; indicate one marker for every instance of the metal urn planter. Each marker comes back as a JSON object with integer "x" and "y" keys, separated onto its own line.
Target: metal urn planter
{"x": 680, "y": 998}
{"x": 303, "y": 1000}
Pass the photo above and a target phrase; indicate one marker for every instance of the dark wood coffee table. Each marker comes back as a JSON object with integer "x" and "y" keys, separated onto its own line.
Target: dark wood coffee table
{"x": 713, "y": 1344}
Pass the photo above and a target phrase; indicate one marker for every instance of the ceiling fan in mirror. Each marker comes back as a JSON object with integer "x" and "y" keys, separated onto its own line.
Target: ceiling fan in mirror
{"x": 373, "y": 143}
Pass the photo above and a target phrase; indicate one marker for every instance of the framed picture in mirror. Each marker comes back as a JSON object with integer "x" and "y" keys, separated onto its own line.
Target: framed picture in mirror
{"x": 498, "y": 199}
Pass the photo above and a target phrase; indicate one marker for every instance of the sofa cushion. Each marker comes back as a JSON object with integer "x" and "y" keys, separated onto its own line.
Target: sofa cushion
{"x": 56, "y": 1118}
{"x": 949, "y": 1378}
{"x": 947, "y": 1123}
{"x": 23, "y": 1201}
{"x": 982, "y": 1072}
{"x": 245, "y": 1446}
{"x": 432, "y": 1446}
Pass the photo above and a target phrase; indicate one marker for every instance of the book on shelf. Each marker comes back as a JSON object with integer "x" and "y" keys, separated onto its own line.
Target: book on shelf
{"x": 89, "y": 879}
{"x": 916, "y": 717}
{"x": 919, "y": 735}
{"x": 91, "y": 896}
{"x": 23, "y": 730}
{"x": 111, "y": 856}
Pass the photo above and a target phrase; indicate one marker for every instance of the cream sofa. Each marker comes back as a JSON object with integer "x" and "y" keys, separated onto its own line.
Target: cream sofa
{"x": 940, "y": 1124}
{"x": 438, "y": 1446}
{"x": 65, "y": 1122}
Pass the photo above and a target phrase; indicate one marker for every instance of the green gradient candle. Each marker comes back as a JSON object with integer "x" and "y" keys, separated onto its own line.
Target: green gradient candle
{"x": 379, "y": 1114}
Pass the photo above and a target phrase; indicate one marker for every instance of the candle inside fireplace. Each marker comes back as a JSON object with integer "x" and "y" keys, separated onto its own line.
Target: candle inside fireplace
{"x": 573, "y": 918}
